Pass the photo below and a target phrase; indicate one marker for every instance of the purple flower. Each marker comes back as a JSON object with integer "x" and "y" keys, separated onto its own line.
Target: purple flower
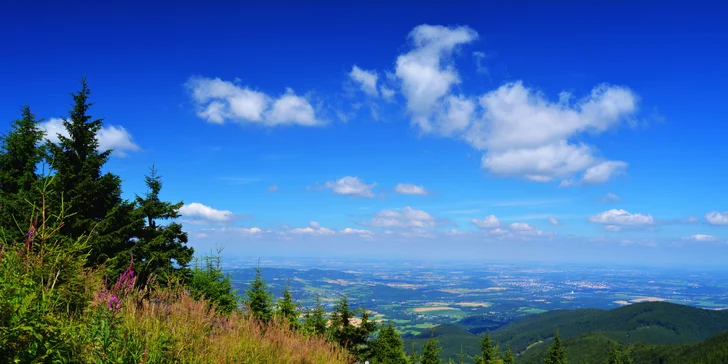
{"x": 114, "y": 304}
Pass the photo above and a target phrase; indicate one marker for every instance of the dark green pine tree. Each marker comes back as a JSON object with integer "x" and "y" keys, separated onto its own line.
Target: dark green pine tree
{"x": 259, "y": 301}
{"x": 314, "y": 321}
{"x": 21, "y": 150}
{"x": 160, "y": 249}
{"x": 431, "y": 352}
{"x": 618, "y": 356}
{"x": 361, "y": 347}
{"x": 555, "y": 353}
{"x": 387, "y": 347}
{"x": 208, "y": 281}
{"x": 489, "y": 354}
{"x": 287, "y": 310}
{"x": 93, "y": 198}
{"x": 508, "y": 357}
{"x": 342, "y": 330}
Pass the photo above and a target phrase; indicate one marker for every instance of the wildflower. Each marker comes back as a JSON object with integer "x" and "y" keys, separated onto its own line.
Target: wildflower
{"x": 114, "y": 304}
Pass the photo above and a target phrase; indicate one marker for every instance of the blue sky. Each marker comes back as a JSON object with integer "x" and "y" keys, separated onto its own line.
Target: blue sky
{"x": 556, "y": 132}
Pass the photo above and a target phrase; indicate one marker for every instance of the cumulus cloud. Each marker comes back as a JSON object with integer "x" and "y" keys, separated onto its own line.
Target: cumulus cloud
{"x": 366, "y": 234}
{"x": 521, "y": 226}
{"x": 313, "y": 229}
{"x": 603, "y": 172}
{"x": 367, "y": 80}
{"x": 109, "y": 137}
{"x": 489, "y": 222}
{"x": 405, "y": 217}
{"x": 519, "y": 130}
{"x": 218, "y": 101}
{"x": 553, "y": 221}
{"x": 410, "y": 189}
{"x": 701, "y": 238}
{"x": 717, "y": 218}
{"x": 205, "y": 213}
{"x": 425, "y": 73}
{"x": 351, "y": 186}
{"x": 621, "y": 217}
{"x": 387, "y": 93}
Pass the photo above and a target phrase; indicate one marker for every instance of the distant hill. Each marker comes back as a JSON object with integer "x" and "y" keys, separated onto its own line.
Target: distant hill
{"x": 588, "y": 333}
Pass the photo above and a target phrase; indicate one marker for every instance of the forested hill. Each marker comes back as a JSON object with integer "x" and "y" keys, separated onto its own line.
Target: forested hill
{"x": 589, "y": 333}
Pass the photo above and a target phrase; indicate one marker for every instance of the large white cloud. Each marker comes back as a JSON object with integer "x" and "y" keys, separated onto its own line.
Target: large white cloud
{"x": 410, "y": 189}
{"x": 196, "y": 210}
{"x": 717, "y": 218}
{"x": 109, "y": 137}
{"x": 352, "y": 186}
{"x": 615, "y": 217}
{"x": 489, "y": 222}
{"x": 520, "y": 131}
{"x": 218, "y": 101}
{"x": 425, "y": 73}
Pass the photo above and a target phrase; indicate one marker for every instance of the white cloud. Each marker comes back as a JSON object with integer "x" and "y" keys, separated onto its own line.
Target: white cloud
{"x": 702, "y": 238}
{"x": 717, "y": 218}
{"x": 109, "y": 137}
{"x": 273, "y": 188}
{"x": 603, "y": 172}
{"x": 351, "y": 186}
{"x": 498, "y": 231}
{"x": 250, "y": 231}
{"x": 521, "y": 132}
{"x": 612, "y": 228}
{"x": 405, "y": 217}
{"x": 554, "y": 221}
{"x": 313, "y": 229}
{"x": 621, "y": 218}
{"x": 205, "y": 213}
{"x": 218, "y": 101}
{"x": 521, "y": 226}
{"x": 387, "y": 93}
{"x": 366, "y": 234}
{"x": 367, "y": 80}
{"x": 425, "y": 73}
{"x": 410, "y": 189}
{"x": 489, "y": 222}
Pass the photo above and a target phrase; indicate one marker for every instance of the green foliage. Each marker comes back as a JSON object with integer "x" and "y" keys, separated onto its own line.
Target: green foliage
{"x": 287, "y": 310}
{"x": 94, "y": 197}
{"x": 555, "y": 353}
{"x": 618, "y": 356}
{"x": 314, "y": 321}
{"x": 431, "y": 352}
{"x": 387, "y": 347}
{"x": 160, "y": 250}
{"x": 508, "y": 357}
{"x": 259, "y": 300}
{"x": 489, "y": 352}
{"x": 20, "y": 153}
{"x": 208, "y": 282}
{"x": 346, "y": 334}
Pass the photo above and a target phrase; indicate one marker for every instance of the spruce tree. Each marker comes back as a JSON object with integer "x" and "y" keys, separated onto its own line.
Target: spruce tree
{"x": 259, "y": 300}
{"x": 488, "y": 351}
{"x": 387, "y": 347}
{"x": 431, "y": 352}
{"x": 508, "y": 357}
{"x": 413, "y": 358}
{"x": 208, "y": 281}
{"x": 342, "y": 331}
{"x": 93, "y": 198}
{"x": 159, "y": 249}
{"x": 555, "y": 353}
{"x": 287, "y": 310}
{"x": 315, "y": 320}
{"x": 20, "y": 152}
